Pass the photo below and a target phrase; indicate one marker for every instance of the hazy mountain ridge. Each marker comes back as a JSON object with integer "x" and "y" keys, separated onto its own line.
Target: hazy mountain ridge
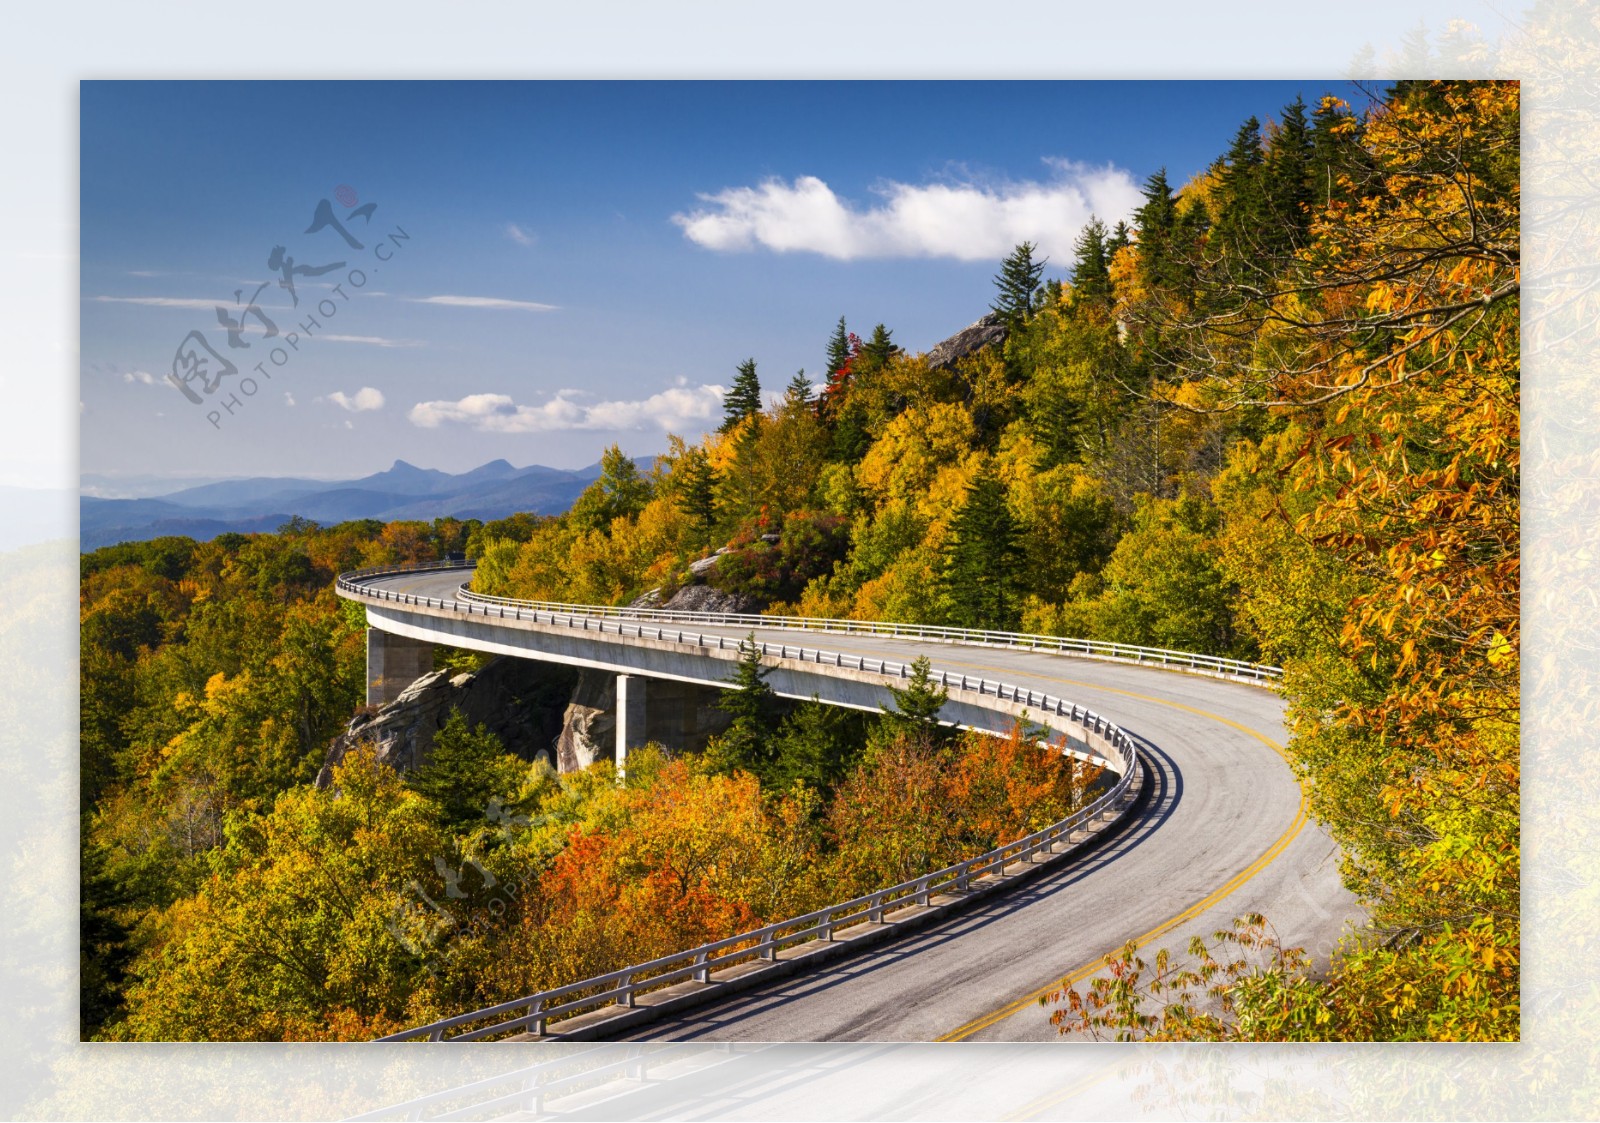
{"x": 402, "y": 491}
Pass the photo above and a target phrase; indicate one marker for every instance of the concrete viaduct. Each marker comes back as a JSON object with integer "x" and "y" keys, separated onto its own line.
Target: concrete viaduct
{"x": 1221, "y": 830}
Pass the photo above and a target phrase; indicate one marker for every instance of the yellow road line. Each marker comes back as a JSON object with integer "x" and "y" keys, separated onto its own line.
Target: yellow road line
{"x": 961, "y": 1033}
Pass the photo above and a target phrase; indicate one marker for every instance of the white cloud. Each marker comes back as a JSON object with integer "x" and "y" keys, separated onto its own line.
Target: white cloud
{"x": 162, "y": 301}
{"x": 373, "y": 340}
{"x": 485, "y": 302}
{"x": 288, "y": 398}
{"x": 674, "y": 409}
{"x": 146, "y": 378}
{"x": 518, "y": 235}
{"x": 970, "y": 219}
{"x": 363, "y": 399}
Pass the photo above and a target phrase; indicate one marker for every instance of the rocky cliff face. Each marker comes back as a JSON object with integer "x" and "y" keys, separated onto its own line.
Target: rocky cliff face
{"x": 679, "y": 715}
{"x": 565, "y": 715}
{"x": 519, "y": 700}
{"x": 972, "y": 338}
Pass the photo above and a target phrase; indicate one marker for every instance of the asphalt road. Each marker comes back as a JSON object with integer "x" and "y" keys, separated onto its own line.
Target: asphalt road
{"x": 1222, "y": 833}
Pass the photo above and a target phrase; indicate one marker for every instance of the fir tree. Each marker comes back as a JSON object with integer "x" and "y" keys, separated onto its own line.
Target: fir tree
{"x": 1157, "y": 220}
{"x": 982, "y": 566}
{"x": 744, "y": 398}
{"x": 1017, "y": 282}
{"x": 800, "y": 388}
{"x": 747, "y": 745}
{"x": 1091, "y": 265}
{"x": 816, "y": 745}
{"x": 467, "y": 770}
{"x": 1335, "y": 149}
{"x": 838, "y": 348}
{"x": 917, "y": 704}
{"x": 696, "y": 494}
{"x": 1288, "y": 180}
{"x": 1242, "y": 211}
{"x": 878, "y": 349}
{"x": 1121, "y": 238}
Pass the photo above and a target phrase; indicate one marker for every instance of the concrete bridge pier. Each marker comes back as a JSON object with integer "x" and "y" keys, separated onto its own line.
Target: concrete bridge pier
{"x": 394, "y": 663}
{"x": 631, "y": 732}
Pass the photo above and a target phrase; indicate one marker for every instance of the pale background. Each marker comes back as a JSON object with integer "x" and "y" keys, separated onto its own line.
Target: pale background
{"x": 45, "y": 1073}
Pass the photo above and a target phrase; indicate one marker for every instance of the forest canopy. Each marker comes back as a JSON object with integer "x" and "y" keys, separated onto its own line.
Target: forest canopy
{"x": 1272, "y": 415}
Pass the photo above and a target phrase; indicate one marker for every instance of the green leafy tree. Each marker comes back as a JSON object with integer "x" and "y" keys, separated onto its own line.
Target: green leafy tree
{"x": 619, "y": 492}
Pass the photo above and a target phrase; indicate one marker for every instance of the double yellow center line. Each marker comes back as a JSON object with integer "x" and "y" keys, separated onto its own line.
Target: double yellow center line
{"x": 961, "y": 1033}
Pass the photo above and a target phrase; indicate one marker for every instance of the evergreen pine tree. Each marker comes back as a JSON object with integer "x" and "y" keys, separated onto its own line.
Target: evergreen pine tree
{"x": 744, "y": 397}
{"x": 1017, "y": 282}
{"x": 1156, "y": 214}
{"x": 696, "y": 494}
{"x": 1335, "y": 146}
{"x": 1241, "y": 178}
{"x": 917, "y": 704}
{"x": 1091, "y": 265}
{"x": 816, "y": 744}
{"x": 800, "y": 388}
{"x": 467, "y": 769}
{"x": 838, "y": 349}
{"x": 1121, "y": 238}
{"x": 982, "y": 565}
{"x": 1157, "y": 220}
{"x": 748, "y": 744}
{"x": 1288, "y": 180}
{"x": 877, "y": 350}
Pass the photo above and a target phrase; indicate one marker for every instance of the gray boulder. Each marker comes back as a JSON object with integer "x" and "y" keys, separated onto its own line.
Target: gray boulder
{"x": 969, "y": 340}
{"x": 519, "y": 700}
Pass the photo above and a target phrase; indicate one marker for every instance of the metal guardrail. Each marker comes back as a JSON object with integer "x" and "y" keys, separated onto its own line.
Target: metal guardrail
{"x": 1210, "y": 665}
{"x": 532, "y": 1013}
{"x": 621, "y": 987}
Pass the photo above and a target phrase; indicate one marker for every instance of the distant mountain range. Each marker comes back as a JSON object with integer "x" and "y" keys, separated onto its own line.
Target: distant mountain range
{"x": 491, "y": 491}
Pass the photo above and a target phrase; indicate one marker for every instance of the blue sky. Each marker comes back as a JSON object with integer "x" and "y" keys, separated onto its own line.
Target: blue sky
{"x": 586, "y": 262}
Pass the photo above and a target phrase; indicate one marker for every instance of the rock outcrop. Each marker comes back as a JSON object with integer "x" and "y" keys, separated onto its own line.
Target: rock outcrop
{"x": 970, "y": 339}
{"x": 521, "y": 701}
{"x": 589, "y": 724}
{"x": 703, "y": 598}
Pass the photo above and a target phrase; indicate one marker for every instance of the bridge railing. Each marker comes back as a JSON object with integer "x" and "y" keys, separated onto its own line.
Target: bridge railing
{"x": 1210, "y": 665}
{"x": 533, "y": 1013}
{"x": 1034, "y": 700}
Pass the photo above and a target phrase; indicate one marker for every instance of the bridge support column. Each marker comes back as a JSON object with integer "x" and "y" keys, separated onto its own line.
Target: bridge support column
{"x": 630, "y": 719}
{"x": 394, "y": 663}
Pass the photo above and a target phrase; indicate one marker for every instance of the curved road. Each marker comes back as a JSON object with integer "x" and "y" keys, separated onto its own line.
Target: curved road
{"x": 1222, "y": 832}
